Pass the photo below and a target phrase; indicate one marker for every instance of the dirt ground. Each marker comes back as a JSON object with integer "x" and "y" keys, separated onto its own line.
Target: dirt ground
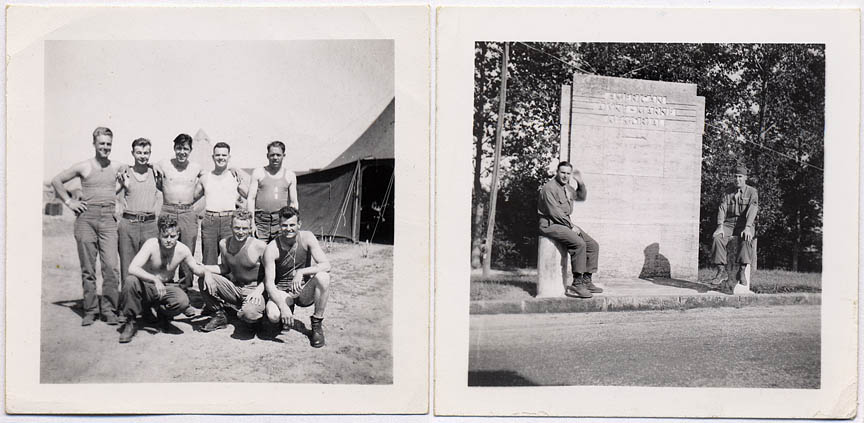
{"x": 357, "y": 325}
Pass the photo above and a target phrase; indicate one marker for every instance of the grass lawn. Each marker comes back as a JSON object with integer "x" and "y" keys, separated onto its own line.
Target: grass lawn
{"x": 519, "y": 286}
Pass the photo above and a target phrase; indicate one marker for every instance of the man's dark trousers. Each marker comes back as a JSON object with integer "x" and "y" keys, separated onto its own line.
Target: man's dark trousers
{"x": 137, "y": 295}
{"x": 582, "y": 248}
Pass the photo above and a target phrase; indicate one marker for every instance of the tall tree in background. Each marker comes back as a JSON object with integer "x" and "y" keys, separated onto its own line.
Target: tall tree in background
{"x": 764, "y": 108}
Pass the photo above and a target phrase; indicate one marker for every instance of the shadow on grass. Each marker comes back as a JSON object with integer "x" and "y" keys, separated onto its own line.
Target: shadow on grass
{"x": 497, "y": 378}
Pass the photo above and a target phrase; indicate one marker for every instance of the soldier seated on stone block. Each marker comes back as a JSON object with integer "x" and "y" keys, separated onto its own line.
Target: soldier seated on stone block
{"x": 554, "y": 206}
{"x": 736, "y": 216}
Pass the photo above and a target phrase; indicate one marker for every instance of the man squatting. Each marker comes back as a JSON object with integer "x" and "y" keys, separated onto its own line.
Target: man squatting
{"x": 555, "y": 205}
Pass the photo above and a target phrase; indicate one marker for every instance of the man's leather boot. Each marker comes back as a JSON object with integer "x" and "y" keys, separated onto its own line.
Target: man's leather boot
{"x": 590, "y": 284}
{"x": 128, "y": 330}
{"x": 317, "y": 338}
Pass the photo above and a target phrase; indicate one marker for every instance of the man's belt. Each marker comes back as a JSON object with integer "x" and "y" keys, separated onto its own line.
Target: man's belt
{"x": 220, "y": 213}
{"x": 178, "y": 206}
{"x": 273, "y": 213}
{"x": 139, "y": 217}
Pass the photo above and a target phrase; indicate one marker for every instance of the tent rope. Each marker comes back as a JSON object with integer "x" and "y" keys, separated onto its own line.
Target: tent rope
{"x": 383, "y": 204}
{"x": 344, "y": 207}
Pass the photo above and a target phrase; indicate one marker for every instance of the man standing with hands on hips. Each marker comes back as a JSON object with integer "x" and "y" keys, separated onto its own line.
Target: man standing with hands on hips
{"x": 95, "y": 225}
{"x": 555, "y": 205}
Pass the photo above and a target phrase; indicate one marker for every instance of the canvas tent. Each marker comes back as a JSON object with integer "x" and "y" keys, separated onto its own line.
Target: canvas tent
{"x": 352, "y": 197}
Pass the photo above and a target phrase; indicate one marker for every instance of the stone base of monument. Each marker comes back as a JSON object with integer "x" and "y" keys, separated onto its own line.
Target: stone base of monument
{"x": 553, "y": 269}
{"x": 733, "y": 267}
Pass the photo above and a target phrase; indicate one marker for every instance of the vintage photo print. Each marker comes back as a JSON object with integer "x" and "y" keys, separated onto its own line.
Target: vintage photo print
{"x": 223, "y": 211}
{"x": 643, "y": 214}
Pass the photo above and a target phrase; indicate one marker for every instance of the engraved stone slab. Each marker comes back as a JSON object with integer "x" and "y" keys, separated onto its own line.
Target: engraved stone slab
{"x": 638, "y": 145}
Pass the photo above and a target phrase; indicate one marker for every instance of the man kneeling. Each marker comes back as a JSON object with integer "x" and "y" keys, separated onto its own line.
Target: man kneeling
{"x": 290, "y": 278}
{"x": 149, "y": 271}
{"x": 235, "y": 281}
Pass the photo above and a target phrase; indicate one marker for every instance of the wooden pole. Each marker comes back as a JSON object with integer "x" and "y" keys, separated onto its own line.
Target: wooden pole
{"x": 493, "y": 198}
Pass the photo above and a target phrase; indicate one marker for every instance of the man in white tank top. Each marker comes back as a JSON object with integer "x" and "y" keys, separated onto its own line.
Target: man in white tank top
{"x": 271, "y": 188}
{"x": 95, "y": 225}
{"x": 221, "y": 189}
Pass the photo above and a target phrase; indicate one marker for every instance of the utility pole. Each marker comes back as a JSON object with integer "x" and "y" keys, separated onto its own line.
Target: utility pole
{"x": 493, "y": 198}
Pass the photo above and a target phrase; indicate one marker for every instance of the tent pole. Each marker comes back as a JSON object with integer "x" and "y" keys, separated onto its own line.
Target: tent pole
{"x": 355, "y": 216}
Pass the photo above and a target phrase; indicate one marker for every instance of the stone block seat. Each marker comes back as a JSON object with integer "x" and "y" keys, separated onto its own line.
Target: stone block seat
{"x": 741, "y": 278}
{"x": 553, "y": 268}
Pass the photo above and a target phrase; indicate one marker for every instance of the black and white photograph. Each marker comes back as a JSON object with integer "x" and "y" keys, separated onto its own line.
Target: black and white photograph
{"x": 235, "y": 199}
{"x": 684, "y": 193}
{"x": 641, "y": 224}
{"x": 224, "y": 211}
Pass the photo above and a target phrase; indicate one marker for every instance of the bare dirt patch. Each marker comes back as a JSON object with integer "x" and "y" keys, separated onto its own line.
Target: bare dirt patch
{"x": 357, "y": 324}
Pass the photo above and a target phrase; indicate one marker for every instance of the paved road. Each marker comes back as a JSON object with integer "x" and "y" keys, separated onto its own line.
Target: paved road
{"x": 770, "y": 347}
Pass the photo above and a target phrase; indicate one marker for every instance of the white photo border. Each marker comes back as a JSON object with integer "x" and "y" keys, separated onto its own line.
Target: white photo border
{"x": 457, "y": 31}
{"x": 27, "y": 29}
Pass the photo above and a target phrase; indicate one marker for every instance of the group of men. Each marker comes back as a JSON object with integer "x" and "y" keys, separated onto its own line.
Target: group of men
{"x": 255, "y": 259}
{"x": 736, "y": 216}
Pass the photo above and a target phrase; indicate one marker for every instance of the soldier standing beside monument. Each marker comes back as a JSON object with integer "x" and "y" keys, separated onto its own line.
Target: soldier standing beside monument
{"x": 736, "y": 216}
{"x": 555, "y": 205}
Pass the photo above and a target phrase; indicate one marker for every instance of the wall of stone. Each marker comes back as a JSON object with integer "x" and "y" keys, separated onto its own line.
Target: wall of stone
{"x": 638, "y": 145}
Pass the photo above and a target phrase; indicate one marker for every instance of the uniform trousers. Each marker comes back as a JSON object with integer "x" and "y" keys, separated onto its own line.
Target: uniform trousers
{"x": 584, "y": 250}
{"x": 96, "y": 234}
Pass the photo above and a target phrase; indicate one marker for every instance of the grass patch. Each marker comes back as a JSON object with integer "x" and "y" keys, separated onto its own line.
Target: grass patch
{"x": 770, "y": 281}
{"x": 508, "y": 286}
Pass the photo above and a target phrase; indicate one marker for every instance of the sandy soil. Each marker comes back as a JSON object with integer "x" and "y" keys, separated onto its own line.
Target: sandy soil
{"x": 357, "y": 326}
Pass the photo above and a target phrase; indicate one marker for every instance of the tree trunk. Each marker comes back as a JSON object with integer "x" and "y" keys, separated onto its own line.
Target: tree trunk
{"x": 479, "y": 135}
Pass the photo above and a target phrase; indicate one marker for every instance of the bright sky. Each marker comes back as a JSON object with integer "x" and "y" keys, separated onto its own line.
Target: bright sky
{"x": 316, "y": 96}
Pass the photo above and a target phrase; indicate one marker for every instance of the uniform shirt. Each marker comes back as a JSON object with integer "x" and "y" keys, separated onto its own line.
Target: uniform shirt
{"x": 556, "y": 202}
{"x": 739, "y": 207}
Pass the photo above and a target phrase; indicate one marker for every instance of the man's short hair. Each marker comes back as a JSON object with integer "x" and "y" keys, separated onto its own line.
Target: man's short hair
{"x": 279, "y": 144}
{"x": 221, "y": 144}
{"x": 183, "y": 139}
{"x": 141, "y": 142}
{"x": 564, "y": 163}
{"x": 102, "y": 131}
{"x": 242, "y": 214}
{"x": 166, "y": 221}
{"x": 288, "y": 212}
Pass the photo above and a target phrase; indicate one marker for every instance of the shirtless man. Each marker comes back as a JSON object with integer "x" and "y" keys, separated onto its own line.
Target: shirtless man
{"x": 236, "y": 280}
{"x": 271, "y": 188}
{"x": 179, "y": 177}
{"x": 139, "y": 217}
{"x": 95, "y": 225}
{"x": 222, "y": 188}
{"x": 150, "y": 270}
{"x": 290, "y": 278}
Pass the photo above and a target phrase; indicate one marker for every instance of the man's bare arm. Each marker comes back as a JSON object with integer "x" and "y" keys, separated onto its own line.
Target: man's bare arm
{"x": 76, "y": 171}
{"x": 136, "y": 267}
{"x": 322, "y": 264}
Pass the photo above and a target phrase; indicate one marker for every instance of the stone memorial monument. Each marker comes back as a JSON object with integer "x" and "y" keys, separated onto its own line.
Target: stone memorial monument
{"x": 638, "y": 144}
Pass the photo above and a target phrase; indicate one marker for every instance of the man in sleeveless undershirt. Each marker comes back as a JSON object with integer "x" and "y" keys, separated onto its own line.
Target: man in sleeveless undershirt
{"x": 272, "y": 187}
{"x": 290, "y": 277}
{"x": 236, "y": 281}
{"x": 141, "y": 196}
{"x": 95, "y": 225}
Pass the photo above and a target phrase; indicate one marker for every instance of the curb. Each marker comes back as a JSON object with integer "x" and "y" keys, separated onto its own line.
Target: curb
{"x": 640, "y": 303}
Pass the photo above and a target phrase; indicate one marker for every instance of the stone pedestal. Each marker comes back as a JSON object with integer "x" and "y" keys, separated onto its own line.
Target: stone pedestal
{"x": 638, "y": 146}
{"x": 553, "y": 268}
{"x": 732, "y": 265}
